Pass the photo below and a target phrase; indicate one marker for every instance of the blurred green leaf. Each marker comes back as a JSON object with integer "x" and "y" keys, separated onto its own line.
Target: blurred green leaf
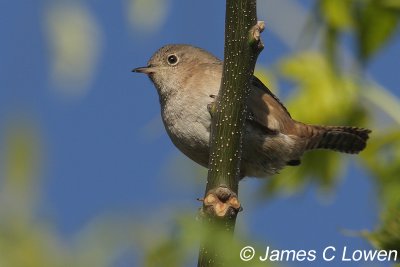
{"x": 147, "y": 16}
{"x": 387, "y": 237}
{"x": 337, "y": 13}
{"x": 21, "y": 161}
{"x": 28, "y": 247}
{"x": 376, "y": 25}
{"x": 331, "y": 91}
{"x": 180, "y": 248}
{"x": 382, "y": 159}
{"x": 22, "y": 154}
{"x": 27, "y": 237}
{"x": 75, "y": 41}
{"x": 395, "y": 4}
{"x": 321, "y": 168}
{"x": 383, "y": 99}
{"x": 331, "y": 46}
{"x": 329, "y": 99}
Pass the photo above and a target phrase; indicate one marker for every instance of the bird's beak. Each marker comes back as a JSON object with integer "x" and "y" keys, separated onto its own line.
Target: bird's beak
{"x": 145, "y": 70}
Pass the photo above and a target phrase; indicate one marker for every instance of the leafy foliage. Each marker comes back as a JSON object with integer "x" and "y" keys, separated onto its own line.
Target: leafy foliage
{"x": 30, "y": 240}
{"x": 180, "y": 248}
{"x": 376, "y": 24}
{"x": 339, "y": 93}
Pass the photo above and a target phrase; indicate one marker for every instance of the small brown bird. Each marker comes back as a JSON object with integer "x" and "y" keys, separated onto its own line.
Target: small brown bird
{"x": 188, "y": 77}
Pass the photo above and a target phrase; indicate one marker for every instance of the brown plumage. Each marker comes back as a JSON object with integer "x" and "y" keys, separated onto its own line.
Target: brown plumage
{"x": 269, "y": 112}
{"x": 185, "y": 77}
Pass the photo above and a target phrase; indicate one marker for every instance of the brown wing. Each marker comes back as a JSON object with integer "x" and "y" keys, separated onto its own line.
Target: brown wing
{"x": 266, "y": 111}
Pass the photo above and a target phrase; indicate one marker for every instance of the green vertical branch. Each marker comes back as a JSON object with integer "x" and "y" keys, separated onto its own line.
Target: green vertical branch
{"x": 221, "y": 204}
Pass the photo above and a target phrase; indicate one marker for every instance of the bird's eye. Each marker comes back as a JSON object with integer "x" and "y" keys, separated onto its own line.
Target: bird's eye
{"x": 172, "y": 60}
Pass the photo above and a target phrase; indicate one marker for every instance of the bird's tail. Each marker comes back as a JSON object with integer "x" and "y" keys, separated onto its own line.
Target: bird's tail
{"x": 339, "y": 138}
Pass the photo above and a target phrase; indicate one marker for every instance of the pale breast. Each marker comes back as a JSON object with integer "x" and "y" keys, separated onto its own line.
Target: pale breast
{"x": 188, "y": 127}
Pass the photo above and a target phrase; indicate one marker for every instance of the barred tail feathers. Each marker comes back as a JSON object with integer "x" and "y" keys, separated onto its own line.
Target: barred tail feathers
{"x": 345, "y": 139}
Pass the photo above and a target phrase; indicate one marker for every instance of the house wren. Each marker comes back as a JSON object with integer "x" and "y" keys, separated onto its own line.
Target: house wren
{"x": 187, "y": 78}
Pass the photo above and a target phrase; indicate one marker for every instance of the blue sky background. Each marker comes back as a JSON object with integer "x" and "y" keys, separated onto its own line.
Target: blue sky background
{"x": 105, "y": 150}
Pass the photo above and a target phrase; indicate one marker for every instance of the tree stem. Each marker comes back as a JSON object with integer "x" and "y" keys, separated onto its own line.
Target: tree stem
{"x": 242, "y": 46}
